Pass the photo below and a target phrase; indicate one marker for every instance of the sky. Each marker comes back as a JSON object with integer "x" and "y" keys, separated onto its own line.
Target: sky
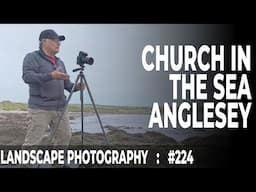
{"x": 117, "y": 76}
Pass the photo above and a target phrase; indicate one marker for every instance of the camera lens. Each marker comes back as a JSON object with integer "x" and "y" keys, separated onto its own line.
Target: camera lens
{"x": 89, "y": 60}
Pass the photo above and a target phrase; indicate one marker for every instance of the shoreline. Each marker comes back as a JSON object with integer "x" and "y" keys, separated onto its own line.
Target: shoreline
{"x": 13, "y": 130}
{"x": 88, "y": 108}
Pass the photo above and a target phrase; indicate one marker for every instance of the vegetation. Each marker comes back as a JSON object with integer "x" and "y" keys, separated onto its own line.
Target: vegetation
{"x": 9, "y": 106}
{"x": 120, "y": 137}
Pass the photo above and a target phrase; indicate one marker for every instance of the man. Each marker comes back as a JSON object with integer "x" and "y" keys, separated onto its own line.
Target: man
{"x": 47, "y": 78}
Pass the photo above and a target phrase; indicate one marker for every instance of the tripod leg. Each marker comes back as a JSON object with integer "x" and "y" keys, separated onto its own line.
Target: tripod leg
{"x": 82, "y": 110}
{"x": 65, "y": 107}
{"x": 95, "y": 109}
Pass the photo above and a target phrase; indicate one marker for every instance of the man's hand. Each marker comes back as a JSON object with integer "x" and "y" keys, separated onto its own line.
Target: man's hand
{"x": 80, "y": 86}
{"x": 58, "y": 75}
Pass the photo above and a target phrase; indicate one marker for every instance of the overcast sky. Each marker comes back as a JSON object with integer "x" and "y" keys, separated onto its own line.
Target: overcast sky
{"x": 117, "y": 76}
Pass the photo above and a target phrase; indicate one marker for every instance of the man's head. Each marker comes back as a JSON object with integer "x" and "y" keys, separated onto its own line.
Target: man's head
{"x": 50, "y": 41}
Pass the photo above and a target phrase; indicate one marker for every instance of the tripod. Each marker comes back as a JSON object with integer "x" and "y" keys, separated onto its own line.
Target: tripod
{"x": 81, "y": 78}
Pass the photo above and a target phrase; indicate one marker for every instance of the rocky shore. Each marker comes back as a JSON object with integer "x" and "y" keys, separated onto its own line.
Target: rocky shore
{"x": 13, "y": 130}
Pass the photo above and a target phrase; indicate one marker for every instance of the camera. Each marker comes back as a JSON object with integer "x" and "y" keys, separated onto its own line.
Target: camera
{"x": 83, "y": 58}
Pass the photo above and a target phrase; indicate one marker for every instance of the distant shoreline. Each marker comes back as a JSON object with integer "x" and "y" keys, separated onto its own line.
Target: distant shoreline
{"x": 109, "y": 109}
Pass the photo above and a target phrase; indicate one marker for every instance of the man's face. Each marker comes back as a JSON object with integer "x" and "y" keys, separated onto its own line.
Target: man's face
{"x": 51, "y": 45}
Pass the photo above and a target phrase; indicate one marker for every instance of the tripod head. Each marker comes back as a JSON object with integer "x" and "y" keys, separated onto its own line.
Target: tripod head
{"x": 81, "y": 69}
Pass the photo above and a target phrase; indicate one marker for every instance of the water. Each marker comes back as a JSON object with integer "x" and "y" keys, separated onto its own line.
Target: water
{"x": 91, "y": 124}
{"x": 133, "y": 124}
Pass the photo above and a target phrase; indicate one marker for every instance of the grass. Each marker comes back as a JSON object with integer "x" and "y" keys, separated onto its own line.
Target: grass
{"x": 9, "y": 106}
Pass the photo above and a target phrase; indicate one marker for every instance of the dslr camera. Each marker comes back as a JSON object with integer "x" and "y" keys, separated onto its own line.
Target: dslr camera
{"x": 83, "y": 58}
